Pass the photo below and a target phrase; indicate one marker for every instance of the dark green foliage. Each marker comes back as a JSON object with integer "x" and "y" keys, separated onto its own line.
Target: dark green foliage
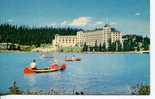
{"x": 146, "y": 43}
{"x": 113, "y": 46}
{"x": 85, "y": 48}
{"x": 130, "y": 43}
{"x": 25, "y": 35}
{"x": 109, "y": 45}
{"x": 96, "y": 48}
{"x": 18, "y": 47}
{"x": 140, "y": 89}
{"x": 91, "y": 49}
{"x": 144, "y": 90}
{"x": 14, "y": 89}
{"x": 134, "y": 42}
{"x": 119, "y": 46}
{"x": 103, "y": 47}
{"x": 78, "y": 92}
{"x": 100, "y": 48}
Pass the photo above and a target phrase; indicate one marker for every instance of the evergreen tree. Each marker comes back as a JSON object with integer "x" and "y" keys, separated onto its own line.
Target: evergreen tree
{"x": 119, "y": 46}
{"x": 100, "y": 47}
{"x": 25, "y": 35}
{"x": 109, "y": 45}
{"x": 146, "y": 43}
{"x": 103, "y": 47}
{"x": 113, "y": 46}
{"x": 85, "y": 47}
{"x": 14, "y": 89}
{"x": 96, "y": 46}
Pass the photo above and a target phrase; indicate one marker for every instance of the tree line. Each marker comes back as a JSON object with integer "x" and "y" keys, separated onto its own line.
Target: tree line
{"x": 25, "y": 35}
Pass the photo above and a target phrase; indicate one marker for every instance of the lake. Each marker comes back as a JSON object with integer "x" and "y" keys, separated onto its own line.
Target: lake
{"x": 94, "y": 74}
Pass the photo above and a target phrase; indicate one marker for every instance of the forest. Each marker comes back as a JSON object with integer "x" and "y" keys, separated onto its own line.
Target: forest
{"x": 25, "y": 35}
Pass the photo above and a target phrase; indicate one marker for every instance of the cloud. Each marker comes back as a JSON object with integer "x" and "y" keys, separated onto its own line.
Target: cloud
{"x": 113, "y": 23}
{"x": 77, "y": 22}
{"x": 10, "y": 20}
{"x": 81, "y": 21}
{"x": 99, "y": 23}
{"x": 64, "y": 23}
{"x": 137, "y": 14}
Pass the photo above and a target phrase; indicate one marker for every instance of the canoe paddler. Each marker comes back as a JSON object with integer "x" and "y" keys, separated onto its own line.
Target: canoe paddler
{"x": 56, "y": 62}
{"x": 55, "y": 65}
{"x": 73, "y": 57}
{"x": 33, "y": 64}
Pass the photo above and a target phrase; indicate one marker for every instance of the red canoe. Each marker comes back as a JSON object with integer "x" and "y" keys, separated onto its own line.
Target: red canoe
{"x": 44, "y": 70}
{"x": 72, "y": 59}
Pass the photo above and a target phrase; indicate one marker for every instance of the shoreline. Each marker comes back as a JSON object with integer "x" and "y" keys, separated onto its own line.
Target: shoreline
{"x": 123, "y": 52}
{"x": 10, "y": 51}
{"x": 127, "y": 52}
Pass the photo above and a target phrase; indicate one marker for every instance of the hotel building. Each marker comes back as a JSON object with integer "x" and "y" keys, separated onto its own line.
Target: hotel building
{"x": 99, "y": 36}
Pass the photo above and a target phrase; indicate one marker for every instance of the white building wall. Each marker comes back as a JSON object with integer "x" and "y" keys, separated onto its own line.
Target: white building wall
{"x": 88, "y": 37}
{"x": 65, "y": 41}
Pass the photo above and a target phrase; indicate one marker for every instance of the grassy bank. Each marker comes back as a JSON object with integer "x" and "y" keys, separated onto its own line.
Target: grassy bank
{"x": 75, "y": 49}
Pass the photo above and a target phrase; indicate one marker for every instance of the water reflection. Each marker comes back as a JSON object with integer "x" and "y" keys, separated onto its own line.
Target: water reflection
{"x": 31, "y": 79}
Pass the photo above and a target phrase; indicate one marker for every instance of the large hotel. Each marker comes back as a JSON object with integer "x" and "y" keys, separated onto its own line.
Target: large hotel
{"x": 99, "y": 36}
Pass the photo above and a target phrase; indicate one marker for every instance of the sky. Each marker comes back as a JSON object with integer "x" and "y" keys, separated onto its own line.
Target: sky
{"x": 128, "y": 16}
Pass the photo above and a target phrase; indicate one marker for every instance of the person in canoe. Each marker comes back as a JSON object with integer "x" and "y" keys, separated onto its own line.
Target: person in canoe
{"x": 73, "y": 57}
{"x": 33, "y": 65}
{"x": 55, "y": 65}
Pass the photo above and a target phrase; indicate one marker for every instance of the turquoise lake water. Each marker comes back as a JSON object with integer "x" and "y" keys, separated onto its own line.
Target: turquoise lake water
{"x": 94, "y": 74}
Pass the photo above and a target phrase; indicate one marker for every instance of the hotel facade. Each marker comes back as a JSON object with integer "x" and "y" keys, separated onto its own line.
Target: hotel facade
{"x": 99, "y": 36}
